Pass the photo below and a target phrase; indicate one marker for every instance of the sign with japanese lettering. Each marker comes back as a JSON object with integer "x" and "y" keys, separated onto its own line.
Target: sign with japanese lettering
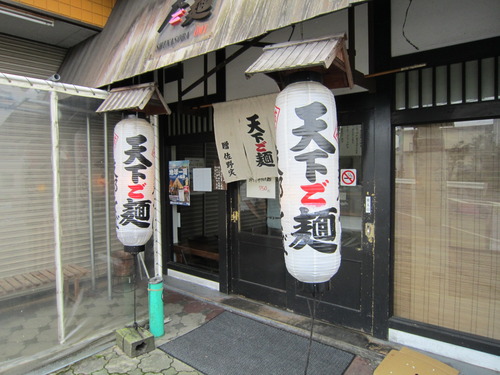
{"x": 262, "y": 188}
{"x": 350, "y": 140}
{"x": 245, "y": 138}
{"x": 189, "y": 21}
{"x": 218, "y": 179}
{"x": 307, "y": 143}
{"x": 134, "y": 182}
{"x": 179, "y": 182}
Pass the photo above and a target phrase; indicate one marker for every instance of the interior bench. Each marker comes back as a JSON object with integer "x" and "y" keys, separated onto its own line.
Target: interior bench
{"x": 18, "y": 285}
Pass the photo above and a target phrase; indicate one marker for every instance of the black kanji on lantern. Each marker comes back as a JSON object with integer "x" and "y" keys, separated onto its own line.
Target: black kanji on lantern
{"x": 311, "y": 128}
{"x": 316, "y": 229}
{"x": 137, "y": 213}
{"x": 311, "y": 166}
{"x": 136, "y": 153}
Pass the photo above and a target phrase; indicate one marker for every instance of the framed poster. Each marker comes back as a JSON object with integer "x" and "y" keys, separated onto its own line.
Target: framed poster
{"x": 178, "y": 182}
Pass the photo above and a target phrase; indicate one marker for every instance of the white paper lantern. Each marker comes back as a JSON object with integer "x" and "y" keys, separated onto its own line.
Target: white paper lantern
{"x": 308, "y": 161}
{"x": 134, "y": 182}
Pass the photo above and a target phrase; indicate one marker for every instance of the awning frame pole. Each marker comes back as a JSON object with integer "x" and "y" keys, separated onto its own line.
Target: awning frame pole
{"x": 91, "y": 208}
{"x": 56, "y": 209}
{"x": 40, "y": 84}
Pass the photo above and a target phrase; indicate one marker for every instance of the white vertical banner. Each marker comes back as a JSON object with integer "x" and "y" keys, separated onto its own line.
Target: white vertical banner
{"x": 245, "y": 138}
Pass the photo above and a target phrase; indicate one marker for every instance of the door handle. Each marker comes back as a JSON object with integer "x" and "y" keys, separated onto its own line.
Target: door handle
{"x": 370, "y": 232}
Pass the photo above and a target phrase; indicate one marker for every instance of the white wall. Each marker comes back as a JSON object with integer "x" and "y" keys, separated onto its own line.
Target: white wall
{"x": 430, "y": 24}
{"x": 439, "y": 23}
{"x": 239, "y": 87}
{"x": 459, "y": 353}
{"x": 193, "y": 70}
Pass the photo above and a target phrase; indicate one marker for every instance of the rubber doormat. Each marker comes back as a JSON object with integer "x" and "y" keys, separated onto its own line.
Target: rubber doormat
{"x": 232, "y": 344}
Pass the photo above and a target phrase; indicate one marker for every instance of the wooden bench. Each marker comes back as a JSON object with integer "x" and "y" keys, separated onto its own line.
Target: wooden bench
{"x": 22, "y": 284}
{"x": 206, "y": 249}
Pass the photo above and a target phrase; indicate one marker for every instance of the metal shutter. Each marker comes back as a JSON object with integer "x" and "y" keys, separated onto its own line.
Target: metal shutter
{"x": 26, "y": 226}
{"x": 29, "y": 58}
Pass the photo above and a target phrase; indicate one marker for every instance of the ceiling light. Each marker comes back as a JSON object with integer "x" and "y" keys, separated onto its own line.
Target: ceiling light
{"x": 25, "y": 15}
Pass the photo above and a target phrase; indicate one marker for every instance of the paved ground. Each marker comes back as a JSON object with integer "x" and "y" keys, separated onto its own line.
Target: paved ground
{"x": 185, "y": 313}
{"x": 187, "y": 306}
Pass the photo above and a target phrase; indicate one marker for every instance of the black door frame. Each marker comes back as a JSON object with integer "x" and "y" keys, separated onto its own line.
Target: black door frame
{"x": 357, "y": 318}
{"x": 379, "y": 104}
{"x": 378, "y": 109}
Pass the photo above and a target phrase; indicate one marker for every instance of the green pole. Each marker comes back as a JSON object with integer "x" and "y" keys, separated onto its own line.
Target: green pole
{"x": 156, "y": 317}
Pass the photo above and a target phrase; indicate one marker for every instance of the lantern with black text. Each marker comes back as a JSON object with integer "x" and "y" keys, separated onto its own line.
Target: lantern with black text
{"x": 308, "y": 162}
{"x": 134, "y": 182}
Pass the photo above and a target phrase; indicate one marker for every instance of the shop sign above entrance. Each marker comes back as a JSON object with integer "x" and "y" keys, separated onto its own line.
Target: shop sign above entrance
{"x": 187, "y": 22}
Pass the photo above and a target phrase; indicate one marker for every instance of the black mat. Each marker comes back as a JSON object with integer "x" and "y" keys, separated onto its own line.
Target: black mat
{"x": 231, "y": 344}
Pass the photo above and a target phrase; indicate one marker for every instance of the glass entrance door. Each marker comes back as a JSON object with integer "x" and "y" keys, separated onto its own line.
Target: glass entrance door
{"x": 259, "y": 270}
{"x": 349, "y": 300}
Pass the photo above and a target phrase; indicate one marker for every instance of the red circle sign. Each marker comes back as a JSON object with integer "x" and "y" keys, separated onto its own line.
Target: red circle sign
{"x": 348, "y": 177}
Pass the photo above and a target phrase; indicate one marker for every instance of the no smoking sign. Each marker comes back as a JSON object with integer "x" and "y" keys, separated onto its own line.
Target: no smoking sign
{"x": 347, "y": 177}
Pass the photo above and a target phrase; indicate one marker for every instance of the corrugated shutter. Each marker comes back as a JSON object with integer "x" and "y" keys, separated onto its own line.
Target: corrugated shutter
{"x": 26, "y": 229}
{"x": 29, "y": 58}
{"x": 77, "y": 217}
{"x": 26, "y": 224}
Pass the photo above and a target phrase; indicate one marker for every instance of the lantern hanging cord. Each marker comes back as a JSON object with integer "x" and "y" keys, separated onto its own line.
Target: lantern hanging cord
{"x": 312, "y": 312}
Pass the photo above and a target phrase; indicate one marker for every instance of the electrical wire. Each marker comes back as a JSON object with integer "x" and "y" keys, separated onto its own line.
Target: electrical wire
{"x": 313, "y": 317}
{"x": 404, "y": 24}
{"x": 293, "y": 29}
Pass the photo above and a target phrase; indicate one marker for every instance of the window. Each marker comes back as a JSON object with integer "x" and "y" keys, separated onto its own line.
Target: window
{"x": 460, "y": 83}
{"x": 260, "y": 215}
{"x": 447, "y": 225}
{"x": 196, "y": 226}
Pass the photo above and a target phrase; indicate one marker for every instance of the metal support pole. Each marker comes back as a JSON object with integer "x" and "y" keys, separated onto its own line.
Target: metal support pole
{"x": 56, "y": 208}
{"x": 91, "y": 208}
{"x": 108, "y": 207}
{"x": 158, "y": 259}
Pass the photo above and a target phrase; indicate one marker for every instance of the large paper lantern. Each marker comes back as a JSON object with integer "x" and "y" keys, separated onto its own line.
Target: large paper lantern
{"x": 134, "y": 182}
{"x": 308, "y": 162}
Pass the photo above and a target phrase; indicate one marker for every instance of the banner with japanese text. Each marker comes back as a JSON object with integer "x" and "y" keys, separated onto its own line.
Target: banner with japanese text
{"x": 245, "y": 138}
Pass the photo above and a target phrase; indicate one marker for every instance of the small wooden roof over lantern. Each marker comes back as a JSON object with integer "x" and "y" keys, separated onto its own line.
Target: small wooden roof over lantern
{"x": 326, "y": 56}
{"x": 139, "y": 98}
